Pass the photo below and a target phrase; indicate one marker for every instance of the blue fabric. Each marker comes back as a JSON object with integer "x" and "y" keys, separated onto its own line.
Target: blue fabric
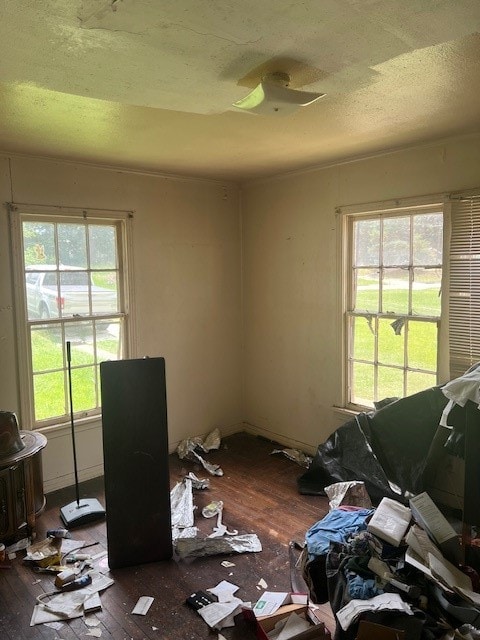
{"x": 336, "y": 526}
{"x": 361, "y": 588}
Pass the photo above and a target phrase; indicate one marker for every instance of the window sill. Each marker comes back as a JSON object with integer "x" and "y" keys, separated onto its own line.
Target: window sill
{"x": 345, "y": 412}
{"x": 61, "y": 430}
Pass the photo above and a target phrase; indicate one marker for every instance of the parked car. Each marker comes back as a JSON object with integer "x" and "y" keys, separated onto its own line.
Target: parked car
{"x": 45, "y": 299}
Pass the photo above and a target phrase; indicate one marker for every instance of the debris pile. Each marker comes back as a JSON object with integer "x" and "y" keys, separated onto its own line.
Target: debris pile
{"x": 398, "y": 566}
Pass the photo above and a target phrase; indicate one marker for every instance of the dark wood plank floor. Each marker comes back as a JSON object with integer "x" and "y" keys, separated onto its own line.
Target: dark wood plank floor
{"x": 260, "y": 496}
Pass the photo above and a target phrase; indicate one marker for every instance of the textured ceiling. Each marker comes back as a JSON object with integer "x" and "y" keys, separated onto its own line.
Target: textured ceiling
{"x": 149, "y": 84}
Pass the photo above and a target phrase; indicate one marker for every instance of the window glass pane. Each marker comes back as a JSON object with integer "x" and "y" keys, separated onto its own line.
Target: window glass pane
{"x": 47, "y": 347}
{"x": 42, "y": 295}
{"x": 363, "y": 338}
{"x": 428, "y": 239}
{"x": 362, "y": 390}
{"x": 367, "y": 243}
{"x": 109, "y": 342}
{"x": 391, "y": 341}
{"x": 103, "y": 247}
{"x": 366, "y": 288}
{"x": 82, "y": 344}
{"x": 104, "y": 292}
{"x": 396, "y": 241}
{"x": 419, "y": 381}
{"x": 426, "y": 300}
{"x": 49, "y": 395}
{"x": 390, "y": 383}
{"x": 84, "y": 388}
{"x": 395, "y": 291}
{"x": 39, "y": 243}
{"x": 74, "y": 293}
{"x": 72, "y": 245}
{"x": 422, "y": 345}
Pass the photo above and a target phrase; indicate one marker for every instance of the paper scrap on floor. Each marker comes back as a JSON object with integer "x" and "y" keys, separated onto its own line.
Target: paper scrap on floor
{"x": 224, "y": 591}
{"x": 221, "y": 614}
{"x": 143, "y": 605}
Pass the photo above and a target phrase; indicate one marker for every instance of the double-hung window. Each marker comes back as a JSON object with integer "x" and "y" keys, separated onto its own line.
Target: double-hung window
{"x": 393, "y": 261}
{"x": 71, "y": 307}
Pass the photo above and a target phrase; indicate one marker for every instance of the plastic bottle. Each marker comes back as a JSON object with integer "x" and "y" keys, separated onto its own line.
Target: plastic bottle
{"x": 58, "y": 533}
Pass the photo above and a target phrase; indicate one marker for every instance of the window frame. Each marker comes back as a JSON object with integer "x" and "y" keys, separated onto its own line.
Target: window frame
{"x": 390, "y": 208}
{"x": 18, "y": 213}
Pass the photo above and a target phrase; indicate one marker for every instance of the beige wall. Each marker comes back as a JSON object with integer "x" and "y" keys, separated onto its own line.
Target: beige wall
{"x": 292, "y": 375}
{"x": 186, "y": 254}
{"x": 280, "y": 374}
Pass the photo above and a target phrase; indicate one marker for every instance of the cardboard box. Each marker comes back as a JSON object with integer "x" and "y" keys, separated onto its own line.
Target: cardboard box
{"x": 270, "y": 601}
{"x": 265, "y": 624}
{"x": 373, "y": 631}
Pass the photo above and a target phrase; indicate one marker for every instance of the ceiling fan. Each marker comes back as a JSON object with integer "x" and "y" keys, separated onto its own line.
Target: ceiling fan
{"x": 274, "y": 96}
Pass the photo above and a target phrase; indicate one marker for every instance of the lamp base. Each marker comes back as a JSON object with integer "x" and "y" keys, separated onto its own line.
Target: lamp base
{"x": 77, "y": 513}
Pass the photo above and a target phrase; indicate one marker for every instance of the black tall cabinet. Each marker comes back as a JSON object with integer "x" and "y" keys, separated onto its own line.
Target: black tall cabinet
{"x": 135, "y": 447}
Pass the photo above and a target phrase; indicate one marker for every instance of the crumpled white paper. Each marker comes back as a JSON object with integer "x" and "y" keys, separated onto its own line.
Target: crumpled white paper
{"x": 224, "y": 591}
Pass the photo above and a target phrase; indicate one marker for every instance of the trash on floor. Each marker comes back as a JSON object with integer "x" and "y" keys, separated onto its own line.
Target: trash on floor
{"x": 216, "y": 509}
{"x": 218, "y": 610}
{"x": 219, "y": 615}
{"x": 353, "y": 493}
{"x": 201, "y": 547}
{"x": 58, "y": 606}
{"x": 58, "y": 533}
{"x": 270, "y": 601}
{"x": 291, "y": 621}
{"x": 198, "y": 483}
{"x": 143, "y": 605}
{"x": 92, "y": 621}
{"x": 45, "y": 552}
{"x": 188, "y": 450}
{"x": 295, "y": 455}
{"x": 212, "y": 441}
{"x": 20, "y": 545}
{"x": 224, "y": 591}
{"x": 181, "y": 504}
{"x": 289, "y": 625}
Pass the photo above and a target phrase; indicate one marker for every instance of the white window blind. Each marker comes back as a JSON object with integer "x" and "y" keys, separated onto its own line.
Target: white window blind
{"x": 464, "y": 288}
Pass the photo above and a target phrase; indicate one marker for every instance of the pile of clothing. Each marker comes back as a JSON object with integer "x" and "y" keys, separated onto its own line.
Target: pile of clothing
{"x": 383, "y": 565}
